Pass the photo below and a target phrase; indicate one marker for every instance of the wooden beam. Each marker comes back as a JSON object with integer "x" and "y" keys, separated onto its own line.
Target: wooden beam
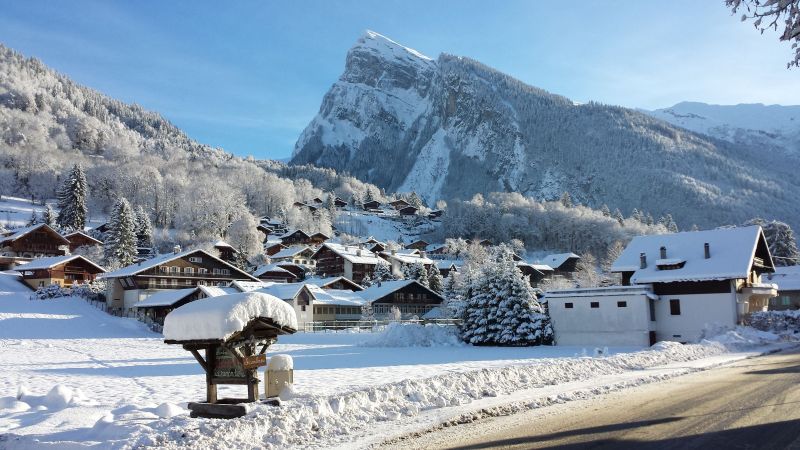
{"x": 199, "y": 359}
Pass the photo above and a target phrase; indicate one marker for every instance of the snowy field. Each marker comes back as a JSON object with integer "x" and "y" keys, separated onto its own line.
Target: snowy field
{"x": 16, "y": 212}
{"x": 383, "y": 229}
{"x": 74, "y": 377}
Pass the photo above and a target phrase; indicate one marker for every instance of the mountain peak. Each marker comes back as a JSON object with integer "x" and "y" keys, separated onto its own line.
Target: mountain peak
{"x": 386, "y": 47}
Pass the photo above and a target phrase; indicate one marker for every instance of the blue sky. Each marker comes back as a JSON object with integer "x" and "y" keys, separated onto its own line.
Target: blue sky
{"x": 249, "y": 75}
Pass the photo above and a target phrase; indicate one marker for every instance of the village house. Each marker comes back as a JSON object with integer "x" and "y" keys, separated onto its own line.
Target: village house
{"x": 408, "y": 211}
{"x": 371, "y": 205}
{"x": 80, "y": 239}
{"x": 788, "y": 281}
{"x": 435, "y": 214}
{"x": 352, "y": 262}
{"x": 536, "y": 272}
{"x": 399, "y": 204}
{"x": 299, "y": 270}
{"x": 399, "y": 259}
{"x": 563, "y": 264}
{"x": 273, "y": 247}
{"x": 276, "y": 273}
{"x": 339, "y": 203}
{"x": 446, "y": 266}
{"x": 295, "y": 255}
{"x": 298, "y": 295}
{"x": 336, "y": 305}
{"x": 418, "y": 245}
{"x": 295, "y": 237}
{"x": 409, "y": 296}
{"x": 65, "y": 271}
{"x": 178, "y": 270}
{"x": 156, "y": 307}
{"x": 24, "y": 244}
{"x": 317, "y": 239}
{"x": 337, "y": 283}
{"x": 226, "y": 251}
{"x": 674, "y": 286}
{"x": 266, "y": 230}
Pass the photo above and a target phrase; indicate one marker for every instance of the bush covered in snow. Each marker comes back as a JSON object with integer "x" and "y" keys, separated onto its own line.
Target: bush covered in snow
{"x": 415, "y": 335}
{"x": 776, "y": 321}
{"x": 91, "y": 291}
{"x": 52, "y": 291}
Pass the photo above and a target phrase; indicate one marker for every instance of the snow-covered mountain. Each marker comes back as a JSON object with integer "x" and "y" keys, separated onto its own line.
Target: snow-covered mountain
{"x": 451, "y": 127}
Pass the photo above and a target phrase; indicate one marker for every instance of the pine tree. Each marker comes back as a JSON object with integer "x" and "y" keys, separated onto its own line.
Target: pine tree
{"x": 620, "y": 219}
{"x": 566, "y": 200}
{"x": 414, "y": 200}
{"x": 649, "y": 220}
{"x": 416, "y": 271}
{"x": 781, "y": 241}
{"x": 367, "y": 281}
{"x": 34, "y": 218}
{"x": 605, "y": 211}
{"x": 72, "y": 201}
{"x": 636, "y": 215}
{"x": 330, "y": 203}
{"x": 435, "y": 280}
{"x": 121, "y": 237}
{"x": 49, "y": 216}
{"x": 144, "y": 229}
{"x": 383, "y": 272}
{"x": 672, "y": 227}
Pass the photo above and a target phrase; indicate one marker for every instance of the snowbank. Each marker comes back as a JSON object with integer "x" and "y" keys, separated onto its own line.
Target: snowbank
{"x": 781, "y": 322}
{"x": 280, "y": 362}
{"x": 220, "y": 317}
{"x": 415, "y": 335}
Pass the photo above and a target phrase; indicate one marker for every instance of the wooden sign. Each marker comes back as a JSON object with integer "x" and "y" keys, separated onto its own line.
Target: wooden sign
{"x": 226, "y": 365}
{"x": 255, "y": 361}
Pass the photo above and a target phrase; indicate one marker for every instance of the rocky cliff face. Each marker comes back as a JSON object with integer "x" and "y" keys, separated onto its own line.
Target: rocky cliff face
{"x": 452, "y": 127}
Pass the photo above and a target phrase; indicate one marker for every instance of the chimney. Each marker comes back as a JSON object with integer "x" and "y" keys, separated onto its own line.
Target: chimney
{"x": 176, "y": 249}
{"x": 707, "y": 250}
{"x": 642, "y": 261}
{"x": 358, "y": 252}
{"x": 423, "y": 254}
{"x": 663, "y": 252}
{"x": 394, "y": 251}
{"x": 360, "y": 246}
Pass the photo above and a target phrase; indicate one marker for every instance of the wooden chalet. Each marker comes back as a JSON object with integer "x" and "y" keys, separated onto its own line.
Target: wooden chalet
{"x": 276, "y": 273}
{"x": 349, "y": 261}
{"x": 435, "y": 214}
{"x": 299, "y": 270}
{"x": 297, "y": 255}
{"x": 226, "y": 251}
{"x": 409, "y": 296}
{"x": 80, "y": 239}
{"x": 178, "y": 270}
{"x": 408, "y": 211}
{"x": 318, "y": 238}
{"x": 104, "y": 227}
{"x": 267, "y": 230}
{"x": 338, "y": 283}
{"x": 24, "y": 244}
{"x": 399, "y": 204}
{"x": 339, "y": 203}
{"x": 295, "y": 237}
{"x": 536, "y": 273}
{"x": 372, "y": 204}
{"x": 418, "y": 245}
{"x": 563, "y": 264}
{"x": 64, "y": 271}
{"x": 273, "y": 247}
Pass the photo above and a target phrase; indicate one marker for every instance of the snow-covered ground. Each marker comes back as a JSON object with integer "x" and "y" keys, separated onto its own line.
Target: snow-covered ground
{"x": 384, "y": 229}
{"x": 16, "y": 212}
{"x": 74, "y": 377}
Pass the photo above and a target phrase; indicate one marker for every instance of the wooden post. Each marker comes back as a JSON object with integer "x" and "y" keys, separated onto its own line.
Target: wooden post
{"x": 211, "y": 361}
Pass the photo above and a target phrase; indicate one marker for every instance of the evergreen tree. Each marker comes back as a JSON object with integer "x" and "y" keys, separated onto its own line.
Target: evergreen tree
{"x": 605, "y": 211}
{"x": 435, "y": 280}
{"x": 330, "y": 203}
{"x": 34, "y": 218}
{"x": 383, "y": 272}
{"x": 566, "y": 200}
{"x": 121, "y": 237}
{"x": 781, "y": 241}
{"x": 649, "y": 219}
{"x": 672, "y": 227}
{"x": 367, "y": 281}
{"x": 416, "y": 271}
{"x": 414, "y": 200}
{"x": 72, "y": 201}
{"x": 620, "y": 219}
{"x": 49, "y": 216}
{"x": 636, "y": 215}
{"x": 144, "y": 229}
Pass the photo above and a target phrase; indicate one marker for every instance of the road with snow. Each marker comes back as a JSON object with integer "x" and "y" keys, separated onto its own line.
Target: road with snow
{"x": 750, "y": 404}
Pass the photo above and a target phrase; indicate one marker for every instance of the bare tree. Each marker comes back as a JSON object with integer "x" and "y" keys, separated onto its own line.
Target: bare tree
{"x": 772, "y": 14}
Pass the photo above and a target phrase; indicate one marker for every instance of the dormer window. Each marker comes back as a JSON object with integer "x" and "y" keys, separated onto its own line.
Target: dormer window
{"x": 670, "y": 264}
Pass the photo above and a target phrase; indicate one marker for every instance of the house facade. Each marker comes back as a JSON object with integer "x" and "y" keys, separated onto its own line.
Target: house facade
{"x": 353, "y": 262}
{"x": 64, "y": 271}
{"x": 788, "y": 281}
{"x": 24, "y": 244}
{"x": 179, "y": 270}
{"x": 683, "y": 283}
{"x": 409, "y": 296}
{"x": 79, "y": 239}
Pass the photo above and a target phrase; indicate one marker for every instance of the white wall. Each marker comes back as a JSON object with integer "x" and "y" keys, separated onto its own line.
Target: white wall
{"x": 697, "y": 311}
{"x": 608, "y": 324}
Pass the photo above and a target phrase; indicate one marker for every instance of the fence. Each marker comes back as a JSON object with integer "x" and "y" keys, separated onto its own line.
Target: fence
{"x": 368, "y": 326}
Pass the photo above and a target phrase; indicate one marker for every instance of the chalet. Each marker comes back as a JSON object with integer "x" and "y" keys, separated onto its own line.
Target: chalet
{"x": 418, "y": 245}
{"x": 295, "y": 237}
{"x": 481, "y": 242}
{"x": 299, "y": 270}
{"x": 276, "y": 273}
{"x": 353, "y": 262}
{"x": 377, "y": 247}
{"x": 226, "y": 251}
{"x": 446, "y": 266}
{"x": 436, "y": 250}
{"x": 563, "y": 264}
{"x": 408, "y": 211}
{"x": 80, "y": 239}
{"x": 674, "y": 286}
{"x": 103, "y": 228}
{"x": 336, "y": 304}
{"x": 298, "y": 295}
{"x": 409, "y": 296}
{"x": 273, "y": 247}
{"x": 296, "y": 255}
{"x": 788, "y": 281}
{"x": 274, "y": 225}
{"x": 266, "y": 230}
{"x": 64, "y": 271}
{"x": 178, "y": 270}
{"x": 399, "y": 259}
{"x": 435, "y": 214}
{"x": 24, "y": 244}
{"x": 317, "y": 201}
{"x": 536, "y": 272}
{"x": 157, "y": 306}
{"x": 339, "y": 203}
{"x": 371, "y": 205}
{"x": 338, "y": 283}
{"x": 399, "y": 204}
{"x": 318, "y": 238}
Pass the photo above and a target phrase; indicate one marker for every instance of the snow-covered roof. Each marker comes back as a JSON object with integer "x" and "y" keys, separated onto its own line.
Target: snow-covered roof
{"x": 261, "y": 270}
{"x": 731, "y": 255}
{"x": 645, "y": 290}
{"x": 20, "y": 232}
{"x": 247, "y": 286}
{"x": 341, "y": 297}
{"x": 291, "y": 232}
{"x": 147, "y": 264}
{"x": 541, "y": 267}
{"x": 556, "y": 260}
{"x": 216, "y": 291}
{"x": 322, "y": 282}
{"x": 290, "y": 252}
{"x": 221, "y": 317}
{"x": 222, "y": 244}
{"x": 352, "y": 253}
{"x": 283, "y": 291}
{"x": 385, "y": 288}
{"x": 52, "y": 261}
{"x": 84, "y": 235}
{"x": 448, "y": 263}
{"x": 407, "y": 257}
{"x": 787, "y": 278}
{"x": 166, "y": 297}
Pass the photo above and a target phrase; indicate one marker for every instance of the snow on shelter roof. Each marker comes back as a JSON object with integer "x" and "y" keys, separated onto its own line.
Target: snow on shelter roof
{"x": 221, "y": 317}
{"x": 166, "y": 298}
{"x": 52, "y": 261}
{"x": 731, "y": 255}
{"x": 351, "y": 253}
{"x": 134, "y": 269}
